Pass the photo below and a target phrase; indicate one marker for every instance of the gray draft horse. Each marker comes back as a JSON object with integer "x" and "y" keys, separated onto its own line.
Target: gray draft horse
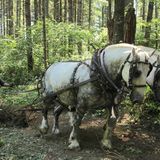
{"x": 153, "y": 80}
{"x": 104, "y": 77}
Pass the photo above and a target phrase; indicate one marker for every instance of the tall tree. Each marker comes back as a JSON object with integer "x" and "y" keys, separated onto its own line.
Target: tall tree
{"x": 35, "y": 11}
{"x": 28, "y": 35}
{"x": 75, "y": 10}
{"x": 46, "y": 4}
{"x": 10, "y": 17}
{"x": 89, "y": 13}
{"x": 156, "y": 25}
{"x": 56, "y": 10}
{"x": 79, "y": 22}
{"x": 1, "y": 17}
{"x": 149, "y": 19}
{"x": 70, "y": 11}
{"x": 23, "y": 16}
{"x": 65, "y": 11}
{"x": 110, "y": 22}
{"x": 44, "y": 33}
{"x": 60, "y": 10}
{"x": 130, "y": 26}
{"x": 143, "y": 9}
{"x": 118, "y": 34}
{"x": 4, "y": 17}
{"x": 40, "y": 9}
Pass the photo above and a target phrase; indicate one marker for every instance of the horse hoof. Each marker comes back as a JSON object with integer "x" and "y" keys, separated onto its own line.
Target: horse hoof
{"x": 106, "y": 144}
{"x": 74, "y": 145}
{"x": 55, "y": 131}
{"x": 43, "y": 130}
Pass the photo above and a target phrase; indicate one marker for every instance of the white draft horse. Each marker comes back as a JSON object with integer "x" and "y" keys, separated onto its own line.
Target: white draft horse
{"x": 104, "y": 77}
{"x": 153, "y": 79}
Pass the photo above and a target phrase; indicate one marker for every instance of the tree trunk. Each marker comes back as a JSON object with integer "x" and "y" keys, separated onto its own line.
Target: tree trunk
{"x": 56, "y": 10}
{"x": 23, "y": 12}
{"x": 156, "y": 25}
{"x": 7, "y": 16}
{"x": 35, "y": 11}
{"x": 28, "y": 35}
{"x": 143, "y": 13}
{"x": 40, "y": 9}
{"x": 60, "y": 10}
{"x": 10, "y": 31}
{"x": 4, "y": 17}
{"x": 70, "y": 11}
{"x": 79, "y": 22}
{"x": 110, "y": 22}
{"x": 44, "y": 34}
{"x": 70, "y": 19}
{"x": 89, "y": 19}
{"x": 130, "y": 26}
{"x": 46, "y": 4}
{"x": 143, "y": 10}
{"x": 75, "y": 11}
{"x": 118, "y": 34}
{"x": 89, "y": 14}
{"x": 1, "y": 17}
{"x": 149, "y": 19}
{"x": 65, "y": 11}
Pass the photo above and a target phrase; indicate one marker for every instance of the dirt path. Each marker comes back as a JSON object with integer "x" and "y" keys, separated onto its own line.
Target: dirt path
{"x": 129, "y": 142}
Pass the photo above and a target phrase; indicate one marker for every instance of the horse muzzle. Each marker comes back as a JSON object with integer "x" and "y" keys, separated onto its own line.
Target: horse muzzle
{"x": 136, "y": 97}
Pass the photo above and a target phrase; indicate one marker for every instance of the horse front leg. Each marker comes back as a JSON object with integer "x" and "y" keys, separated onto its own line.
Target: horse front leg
{"x": 110, "y": 125}
{"x": 56, "y": 113}
{"x": 75, "y": 121}
{"x": 44, "y": 124}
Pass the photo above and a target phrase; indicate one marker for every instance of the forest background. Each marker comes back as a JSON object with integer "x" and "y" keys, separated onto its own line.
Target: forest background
{"x": 37, "y": 33}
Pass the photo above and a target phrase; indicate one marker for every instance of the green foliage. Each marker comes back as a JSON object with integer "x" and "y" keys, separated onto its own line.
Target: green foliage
{"x": 148, "y": 111}
{"x": 13, "y": 51}
{"x": 154, "y": 34}
{"x": 16, "y": 96}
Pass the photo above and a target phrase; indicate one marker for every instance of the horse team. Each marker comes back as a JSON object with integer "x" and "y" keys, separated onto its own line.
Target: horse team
{"x": 98, "y": 83}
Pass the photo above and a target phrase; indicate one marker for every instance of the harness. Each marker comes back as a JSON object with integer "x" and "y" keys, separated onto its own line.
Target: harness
{"x": 99, "y": 73}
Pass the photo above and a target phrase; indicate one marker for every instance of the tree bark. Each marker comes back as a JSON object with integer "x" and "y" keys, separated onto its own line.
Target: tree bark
{"x": 149, "y": 19}
{"x": 79, "y": 22}
{"x": 118, "y": 33}
{"x": 65, "y": 11}
{"x": 89, "y": 14}
{"x": 44, "y": 34}
{"x": 60, "y": 10}
{"x": 156, "y": 25}
{"x": 110, "y": 22}
{"x": 1, "y": 17}
{"x": 23, "y": 13}
{"x": 46, "y": 4}
{"x": 56, "y": 10}
{"x": 130, "y": 26}
{"x": 40, "y": 9}
{"x": 28, "y": 35}
{"x": 70, "y": 11}
{"x": 35, "y": 11}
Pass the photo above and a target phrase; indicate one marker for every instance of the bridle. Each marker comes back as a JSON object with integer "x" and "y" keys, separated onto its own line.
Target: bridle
{"x": 99, "y": 62}
{"x": 134, "y": 72}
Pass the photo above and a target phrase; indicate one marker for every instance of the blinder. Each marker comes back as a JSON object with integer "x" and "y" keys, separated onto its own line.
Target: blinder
{"x": 135, "y": 73}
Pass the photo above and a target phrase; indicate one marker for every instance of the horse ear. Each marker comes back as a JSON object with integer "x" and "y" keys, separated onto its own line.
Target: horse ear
{"x": 134, "y": 54}
{"x": 158, "y": 59}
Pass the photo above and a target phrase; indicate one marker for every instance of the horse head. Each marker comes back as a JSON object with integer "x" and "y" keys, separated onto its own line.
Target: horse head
{"x": 156, "y": 79}
{"x": 137, "y": 67}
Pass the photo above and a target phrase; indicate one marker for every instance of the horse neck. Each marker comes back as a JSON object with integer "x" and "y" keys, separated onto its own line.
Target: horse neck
{"x": 115, "y": 62}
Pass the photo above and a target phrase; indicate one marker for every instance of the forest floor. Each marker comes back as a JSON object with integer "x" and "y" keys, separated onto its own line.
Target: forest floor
{"x": 130, "y": 142}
